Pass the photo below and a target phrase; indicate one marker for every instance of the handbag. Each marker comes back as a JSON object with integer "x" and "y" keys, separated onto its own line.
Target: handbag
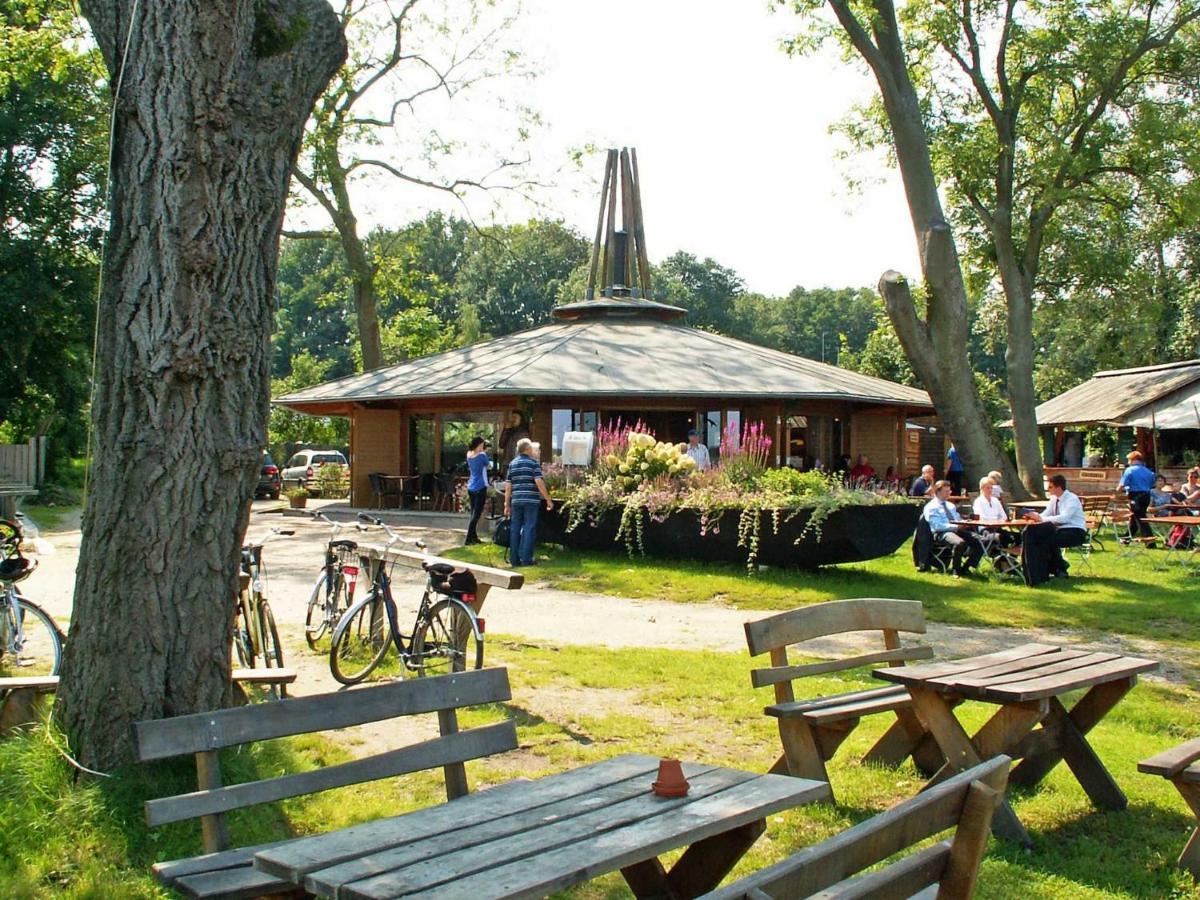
{"x": 502, "y": 532}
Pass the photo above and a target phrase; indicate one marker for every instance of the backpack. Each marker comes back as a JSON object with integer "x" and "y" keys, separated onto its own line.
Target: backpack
{"x": 502, "y": 532}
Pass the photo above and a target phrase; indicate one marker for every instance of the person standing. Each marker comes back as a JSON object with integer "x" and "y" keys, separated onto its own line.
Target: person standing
{"x": 955, "y": 473}
{"x": 1043, "y": 546}
{"x": 697, "y": 451}
{"x": 477, "y": 483}
{"x": 1137, "y": 482}
{"x": 516, "y": 429}
{"x": 524, "y": 493}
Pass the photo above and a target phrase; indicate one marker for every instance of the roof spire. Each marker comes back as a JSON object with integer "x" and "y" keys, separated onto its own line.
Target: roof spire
{"x": 619, "y": 254}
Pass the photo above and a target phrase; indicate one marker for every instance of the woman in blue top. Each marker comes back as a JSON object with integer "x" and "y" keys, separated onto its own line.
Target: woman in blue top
{"x": 477, "y": 484}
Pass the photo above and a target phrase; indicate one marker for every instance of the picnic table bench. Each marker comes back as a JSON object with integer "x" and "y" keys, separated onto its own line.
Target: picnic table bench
{"x": 1027, "y": 683}
{"x": 965, "y": 802}
{"x": 1180, "y": 766}
{"x": 533, "y": 838}
{"x": 225, "y": 872}
{"x": 812, "y": 729}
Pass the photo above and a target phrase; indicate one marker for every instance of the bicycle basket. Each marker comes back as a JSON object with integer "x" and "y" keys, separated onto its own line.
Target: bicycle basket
{"x": 447, "y": 579}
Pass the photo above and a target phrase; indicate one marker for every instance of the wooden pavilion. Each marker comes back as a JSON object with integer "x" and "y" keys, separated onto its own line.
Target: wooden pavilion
{"x": 616, "y": 355}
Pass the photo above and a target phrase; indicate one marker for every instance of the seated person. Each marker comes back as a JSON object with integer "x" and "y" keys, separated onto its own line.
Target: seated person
{"x": 989, "y": 509}
{"x": 923, "y": 484}
{"x": 941, "y": 514}
{"x": 891, "y": 478}
{"x": 1043, "y": 547}
{"x": 996, "y": 478}
{"x": 1190, "y": 489}
{"x": 862, "y": 471}
{"x": 1160, "y": 496}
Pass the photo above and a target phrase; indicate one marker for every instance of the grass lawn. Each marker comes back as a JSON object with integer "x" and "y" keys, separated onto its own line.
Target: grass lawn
{"x": 575, "y": 705}
{"x": 1126, "y": 596}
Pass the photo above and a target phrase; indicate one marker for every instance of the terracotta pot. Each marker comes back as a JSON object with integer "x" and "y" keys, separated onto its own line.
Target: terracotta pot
{"x": 671, "y": 782}
{"x": 298, "y": 502}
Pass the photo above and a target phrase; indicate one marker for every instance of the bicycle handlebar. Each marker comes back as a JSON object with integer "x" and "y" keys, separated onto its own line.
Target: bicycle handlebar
{"x": 392, "y": 536}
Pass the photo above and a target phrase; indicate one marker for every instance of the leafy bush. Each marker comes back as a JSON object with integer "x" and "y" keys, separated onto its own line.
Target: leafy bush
{"x": 332, "y": 480}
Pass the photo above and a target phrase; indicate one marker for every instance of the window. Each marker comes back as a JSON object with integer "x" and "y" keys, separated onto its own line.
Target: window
{"x": 458, "y": 429}
{"x": 560, "y": 424}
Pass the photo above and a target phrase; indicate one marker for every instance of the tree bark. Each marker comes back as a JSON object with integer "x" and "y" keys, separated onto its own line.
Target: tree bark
{"x": 212, "y": 103}
{"x": 937, "y": 346}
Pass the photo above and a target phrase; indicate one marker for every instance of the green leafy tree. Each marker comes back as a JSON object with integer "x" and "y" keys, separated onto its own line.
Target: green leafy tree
{"x": 705, "y": 288}
{"x": 311, "y": 312}
{"x": 288, "y": 428}
{"x": 1025, "y": 112}
{"x": 513, "y": 274}
{"x": 52, "y": 150}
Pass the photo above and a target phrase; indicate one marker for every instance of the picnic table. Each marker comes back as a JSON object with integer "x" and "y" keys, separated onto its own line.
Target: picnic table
{"x": 531, "y": 838}
{"x": 1027, "y": 683}
{"x": 992, "y": 549}
{"x": 1162, "y": 527}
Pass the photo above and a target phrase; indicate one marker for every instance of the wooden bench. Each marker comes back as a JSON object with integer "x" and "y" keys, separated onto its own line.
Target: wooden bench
{"x": 946, "y": 870}
{"x": 21, "y": 699}
{"x": 811, "y": 730}
{"x": 1180, "y": 766}
{"x": 222, "y": 872}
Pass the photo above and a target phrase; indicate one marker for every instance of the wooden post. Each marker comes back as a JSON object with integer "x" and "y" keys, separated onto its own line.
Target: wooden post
{"x": 606, "y": 277}
{"x": 640, "y": 227}
{"x": 591, "y": 283}
{"x": 627, "y": 219}
{"x": 456, "y": 773}
{"x": 213, "y": 830}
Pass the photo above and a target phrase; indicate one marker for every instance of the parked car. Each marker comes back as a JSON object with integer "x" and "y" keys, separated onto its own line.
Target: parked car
{"x": 269, "y": 482}
{"x": 301, "y": 469}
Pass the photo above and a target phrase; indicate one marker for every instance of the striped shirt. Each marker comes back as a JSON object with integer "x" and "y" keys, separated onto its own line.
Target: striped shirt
{"x": 522, "y": 473}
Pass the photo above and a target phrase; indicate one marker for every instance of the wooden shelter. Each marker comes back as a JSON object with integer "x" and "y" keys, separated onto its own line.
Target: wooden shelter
{"x": 615, "y": 355}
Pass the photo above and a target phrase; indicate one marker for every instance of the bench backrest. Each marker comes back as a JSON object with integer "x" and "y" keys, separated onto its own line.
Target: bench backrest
{"x": 775, "y": 634}
{"x": 967, "y": 801}
{"x": 203, "y": 734}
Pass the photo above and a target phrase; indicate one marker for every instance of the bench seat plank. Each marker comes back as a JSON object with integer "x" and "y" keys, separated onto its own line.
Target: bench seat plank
{"x": 450, "y": 748}
{"x": 844, "y": 706}
{"x": 904, "y": 878}
{"x": 168, "y": 871}
{"x": 1171, "y": 762}
{"x": 306, "y": 855}
{"x": 739, "y": 804}
{"x": 231, "y": 884}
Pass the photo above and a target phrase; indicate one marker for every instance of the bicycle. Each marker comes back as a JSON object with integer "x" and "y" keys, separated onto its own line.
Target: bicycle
{"x": 254, "y": 631}
{"x": 30, "y": 640}
{"x": 333, "y": 591}
{"x": 446, "y": 634}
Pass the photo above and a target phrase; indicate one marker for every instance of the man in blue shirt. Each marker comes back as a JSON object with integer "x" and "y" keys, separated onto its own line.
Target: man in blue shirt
{"x": 941, "y": 516}
{"x": 955, "y": 471}
{"x": 923, "y": 484}
{"x": 1137, "y": 482}
{"x": 524, "y": 493}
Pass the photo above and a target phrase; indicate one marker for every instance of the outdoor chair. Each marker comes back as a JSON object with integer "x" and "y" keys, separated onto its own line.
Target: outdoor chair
{"x": 382, "y": 488}
{"x": 811, "y": 729}
{"x": 426, "y": 491}
{"x": 1095, "y": 513}
{"x": 929, "y": 553}
{"x": 947, "y": 870}
{"x": 443, "y": 493}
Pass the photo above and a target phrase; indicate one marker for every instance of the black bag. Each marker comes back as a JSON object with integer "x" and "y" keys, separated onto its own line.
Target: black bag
{"x": 447, "y": 579}
{"x": 502, "y": 532}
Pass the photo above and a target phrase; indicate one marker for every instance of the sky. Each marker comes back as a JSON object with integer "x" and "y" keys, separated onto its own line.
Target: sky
{"x": 733, "y": 142}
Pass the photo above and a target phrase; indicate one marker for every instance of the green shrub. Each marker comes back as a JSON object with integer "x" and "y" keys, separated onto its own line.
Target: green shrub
{"x": 332, "y": 481}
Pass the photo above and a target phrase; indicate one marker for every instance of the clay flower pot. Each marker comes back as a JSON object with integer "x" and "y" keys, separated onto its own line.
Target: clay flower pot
{"x": 671, "y": 782}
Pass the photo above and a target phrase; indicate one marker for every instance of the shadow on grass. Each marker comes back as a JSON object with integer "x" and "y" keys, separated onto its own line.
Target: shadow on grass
{"x": 525, "y": 719}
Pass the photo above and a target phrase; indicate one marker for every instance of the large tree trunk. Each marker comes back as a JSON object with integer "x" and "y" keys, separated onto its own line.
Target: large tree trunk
{"x": 213, "y": 100}
{"x": 937, "y": 345}
{"x": 1018, "y": 360}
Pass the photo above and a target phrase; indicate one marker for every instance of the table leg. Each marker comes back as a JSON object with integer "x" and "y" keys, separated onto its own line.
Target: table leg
{"x": 1066, "y": 742}
{"x": 1190, "y": 857}
{"x": 1005, "y": 728}
{"x": 648, "y": 878}
{"x": 706, "y": 862}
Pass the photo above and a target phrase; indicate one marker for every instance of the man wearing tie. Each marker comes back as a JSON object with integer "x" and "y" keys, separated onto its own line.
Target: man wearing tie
{"x": 941, "y": 516}
{"x": 1068, "y": 528}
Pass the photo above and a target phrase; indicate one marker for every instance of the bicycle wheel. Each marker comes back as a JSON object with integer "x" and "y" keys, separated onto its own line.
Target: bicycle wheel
{"x": 360, "y": 640}
{"x": 30, "y": 642}
{"x": 448, "y": 640}
{"x": 329, "y": 598}
{"x": 243, "y": 640}
{"x": 272, "y": 648}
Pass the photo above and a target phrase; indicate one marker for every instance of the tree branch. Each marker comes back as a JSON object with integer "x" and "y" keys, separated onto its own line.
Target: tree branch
{"x": 309, "y": 235}
{"x": 859, "y": 38}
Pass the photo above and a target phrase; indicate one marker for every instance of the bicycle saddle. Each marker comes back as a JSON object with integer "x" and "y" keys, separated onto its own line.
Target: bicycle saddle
{"x": 343, "y": 545}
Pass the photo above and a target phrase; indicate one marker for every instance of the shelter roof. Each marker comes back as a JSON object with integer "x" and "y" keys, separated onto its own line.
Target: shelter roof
{"x": 610, "y": 355}
{"x": 1129, "y": 397}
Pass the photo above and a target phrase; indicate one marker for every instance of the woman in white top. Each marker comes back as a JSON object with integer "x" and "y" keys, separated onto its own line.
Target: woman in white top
{"x": 987, "y": 507}
{"x": 995, "y": 478}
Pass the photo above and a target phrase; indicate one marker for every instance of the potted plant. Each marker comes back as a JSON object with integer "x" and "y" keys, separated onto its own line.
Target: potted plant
{"x": 297, "y": 498}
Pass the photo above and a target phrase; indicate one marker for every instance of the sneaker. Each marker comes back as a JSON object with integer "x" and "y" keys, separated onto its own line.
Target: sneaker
{"x": 1126, "y": 541}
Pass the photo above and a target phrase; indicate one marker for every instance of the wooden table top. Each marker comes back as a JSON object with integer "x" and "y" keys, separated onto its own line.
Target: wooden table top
{"x": 531, "y": 838}
{"x": 1029, "y": 504}
{"x": 1187, "y": 521}
{"x": 1027, "y": 672}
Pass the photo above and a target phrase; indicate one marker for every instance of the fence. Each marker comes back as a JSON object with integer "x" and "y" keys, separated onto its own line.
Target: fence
{"x": 23, "y": 464}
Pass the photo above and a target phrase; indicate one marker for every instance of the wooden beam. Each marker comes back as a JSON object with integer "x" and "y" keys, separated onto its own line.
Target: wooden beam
{"x": 591, "y": 282}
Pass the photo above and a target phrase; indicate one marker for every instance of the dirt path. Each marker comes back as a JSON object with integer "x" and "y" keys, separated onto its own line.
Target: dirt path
{"x": 547, "y": 615}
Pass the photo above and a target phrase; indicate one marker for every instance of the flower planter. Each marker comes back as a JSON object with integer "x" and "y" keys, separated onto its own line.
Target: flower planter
{"x": 849, "y": 534}
{"x": 297, "y": 502}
